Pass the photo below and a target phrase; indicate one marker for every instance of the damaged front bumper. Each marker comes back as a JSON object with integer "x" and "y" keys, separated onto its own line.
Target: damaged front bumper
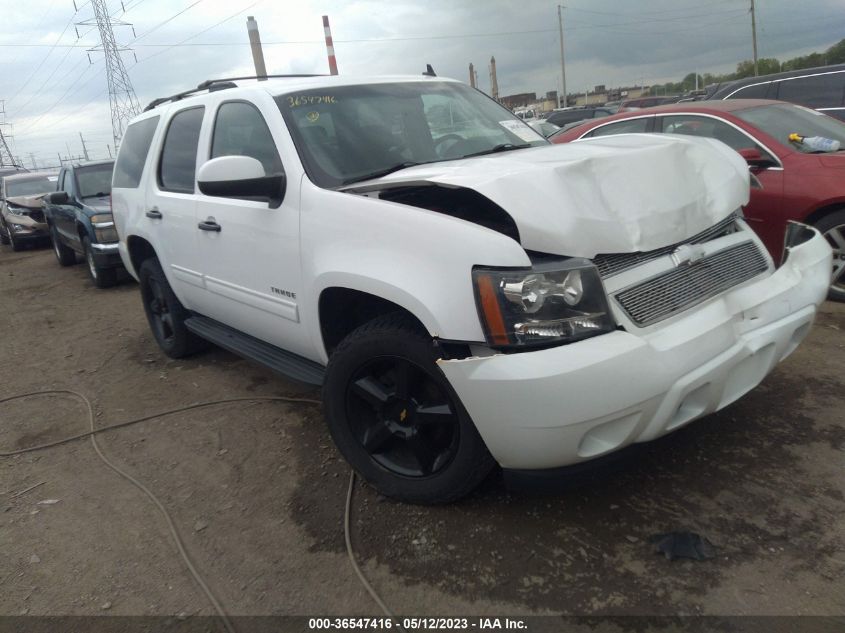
{"x": 24, "y": 227}
{"x": 564, "y": 405}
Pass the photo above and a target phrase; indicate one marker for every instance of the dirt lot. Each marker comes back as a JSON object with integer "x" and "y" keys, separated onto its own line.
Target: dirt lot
{"x": 258, "y": 491}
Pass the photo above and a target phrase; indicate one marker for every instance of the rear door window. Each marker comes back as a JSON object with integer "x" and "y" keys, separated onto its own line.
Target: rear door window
{"x": 689, "y": 125}
{"x": 178, "y": 164}
{"x": 758, "y": 91}
{"x": 133, "y": 153}
{"x": 627, "y": 126}
{"x": 818, "y": 91}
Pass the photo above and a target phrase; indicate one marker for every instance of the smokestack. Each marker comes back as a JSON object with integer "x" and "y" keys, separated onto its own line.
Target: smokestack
{"x": 471, "y": 75}
{"x": 255, "y": 45}
{"x": 329, "y": 46}
{"x": 494, "y": 84}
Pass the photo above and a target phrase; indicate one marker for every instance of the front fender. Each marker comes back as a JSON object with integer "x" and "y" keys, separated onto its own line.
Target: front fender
{"x": 418, "y": 259}
{"x": 83, "y": 227}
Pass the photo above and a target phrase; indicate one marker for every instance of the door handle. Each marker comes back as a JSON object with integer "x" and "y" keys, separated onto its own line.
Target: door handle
{"x": 209, "y": 225}
{"x": 154, "y": 213}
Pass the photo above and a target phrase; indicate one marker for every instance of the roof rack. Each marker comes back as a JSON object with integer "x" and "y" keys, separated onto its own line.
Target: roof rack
{"x": 219, "y": 84}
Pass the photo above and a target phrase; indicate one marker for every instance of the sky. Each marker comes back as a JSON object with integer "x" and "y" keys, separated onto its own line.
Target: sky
{"x": 52, "y": 93}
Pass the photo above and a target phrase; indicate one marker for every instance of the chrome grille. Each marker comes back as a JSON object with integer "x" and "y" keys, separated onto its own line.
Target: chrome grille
{"x": 616, "y": 263}
{"x": 681, "y": 288}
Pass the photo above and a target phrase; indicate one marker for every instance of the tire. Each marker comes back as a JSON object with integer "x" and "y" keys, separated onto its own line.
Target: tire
{"x": 397, "y": 420}
{"x": 165, "y": 313}
{"x": 832, "y": 226}
{"x": 64, "y": 255}
{"x": 4, "y": 233}
{"x": 16, "y": 245}
{"x": 102, "y": 277}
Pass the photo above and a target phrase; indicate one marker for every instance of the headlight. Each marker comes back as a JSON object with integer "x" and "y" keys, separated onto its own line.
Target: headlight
{"x": 101, "y": 218}
{"x": 552, "y": 303}
{"x": 14, "y": 210}
{"x": 105, "y": 236}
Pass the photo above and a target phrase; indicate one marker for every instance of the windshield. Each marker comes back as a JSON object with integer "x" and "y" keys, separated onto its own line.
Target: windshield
{"x": 349, "y": 133}
{"x": 784, "y": 119}
{"x": 94, "y": 180}
{"x": 30, "y": 186}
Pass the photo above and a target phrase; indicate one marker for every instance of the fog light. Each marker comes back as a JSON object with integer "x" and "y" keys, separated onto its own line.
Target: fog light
{"x": 104, "y": 236}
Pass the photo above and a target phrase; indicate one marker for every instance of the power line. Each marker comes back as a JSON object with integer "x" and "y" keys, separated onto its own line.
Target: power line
{"x": 131, "y": 7}
{"x": 37, "y": 27}
{"x": 234, "y": 15}
{"x": 99, "y": 95}
{"x": 74, "y": 83}
{"x": 28, "y": 79}
{"x": 658, "y": 12}
{"x": 49, "y": 77}
{"x": 170, "y": 19}
{"x": 579, "y": 26}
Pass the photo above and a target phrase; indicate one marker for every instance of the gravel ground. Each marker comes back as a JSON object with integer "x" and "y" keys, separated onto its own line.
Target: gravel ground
{"x": 258, "y": 491}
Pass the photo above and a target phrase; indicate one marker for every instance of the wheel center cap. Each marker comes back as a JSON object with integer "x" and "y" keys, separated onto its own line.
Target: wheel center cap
{"x": 400, "y": 411}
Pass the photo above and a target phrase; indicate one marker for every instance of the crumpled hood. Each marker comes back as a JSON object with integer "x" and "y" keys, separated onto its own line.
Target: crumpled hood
{"x": 27, "y": 202}
{"x": 616, "y": 194}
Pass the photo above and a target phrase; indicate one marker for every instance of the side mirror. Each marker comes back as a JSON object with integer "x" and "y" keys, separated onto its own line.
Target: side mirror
{"x": 754, "y": 157}
{"x": 241, "y": 177}
{"x": 58, "y": 197}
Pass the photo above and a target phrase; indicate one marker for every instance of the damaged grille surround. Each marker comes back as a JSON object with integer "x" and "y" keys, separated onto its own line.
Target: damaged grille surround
{"x": 683, "y": 287}
{"x": 615, "y": 263}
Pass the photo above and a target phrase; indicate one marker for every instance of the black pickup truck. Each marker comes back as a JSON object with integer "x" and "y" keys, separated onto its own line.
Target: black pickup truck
{"x": 80, "y": 220}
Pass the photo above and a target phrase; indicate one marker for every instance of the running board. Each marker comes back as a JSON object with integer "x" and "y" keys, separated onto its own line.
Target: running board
{"x": 251, "y": 348}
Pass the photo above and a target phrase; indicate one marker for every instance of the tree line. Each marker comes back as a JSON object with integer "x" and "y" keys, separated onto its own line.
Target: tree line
{"x": 766, "y": 66}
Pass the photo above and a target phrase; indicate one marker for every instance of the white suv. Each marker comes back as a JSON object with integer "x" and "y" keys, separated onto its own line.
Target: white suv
{"x": 466, "y": 293}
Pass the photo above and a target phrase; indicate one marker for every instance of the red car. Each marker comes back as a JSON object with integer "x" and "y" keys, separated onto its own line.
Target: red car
{"x": 789, "y": 181}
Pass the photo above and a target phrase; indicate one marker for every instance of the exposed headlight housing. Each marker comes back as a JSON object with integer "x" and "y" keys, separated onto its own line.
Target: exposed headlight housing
{"x": 549, "y": 304}
{"x": 796, "y": 234}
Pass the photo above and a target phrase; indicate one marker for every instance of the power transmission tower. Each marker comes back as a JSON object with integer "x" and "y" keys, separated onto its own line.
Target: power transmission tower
{"x": 6, "y": 158}
{"x": 122, "y": 100}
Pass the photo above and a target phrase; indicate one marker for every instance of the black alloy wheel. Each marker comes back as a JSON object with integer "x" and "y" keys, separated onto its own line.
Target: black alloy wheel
{"x": 162, "y": 316}
{"x": 403, "y": 419}
{"x": 395, "y": 417}
{"x": 165, "y": 313}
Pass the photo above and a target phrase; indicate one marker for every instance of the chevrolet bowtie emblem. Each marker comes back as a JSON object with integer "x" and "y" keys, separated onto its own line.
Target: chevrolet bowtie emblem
{"x": 403, "y": 415}
{"x": 687, "y": 254}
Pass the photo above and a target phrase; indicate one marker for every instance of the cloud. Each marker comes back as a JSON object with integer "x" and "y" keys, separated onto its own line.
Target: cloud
{"x": 611, "y": 42}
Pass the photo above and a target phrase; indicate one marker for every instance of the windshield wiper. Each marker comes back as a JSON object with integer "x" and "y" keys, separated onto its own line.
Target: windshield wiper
{"x": 380, "y": 172}
{"x": 502, "y": 147}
